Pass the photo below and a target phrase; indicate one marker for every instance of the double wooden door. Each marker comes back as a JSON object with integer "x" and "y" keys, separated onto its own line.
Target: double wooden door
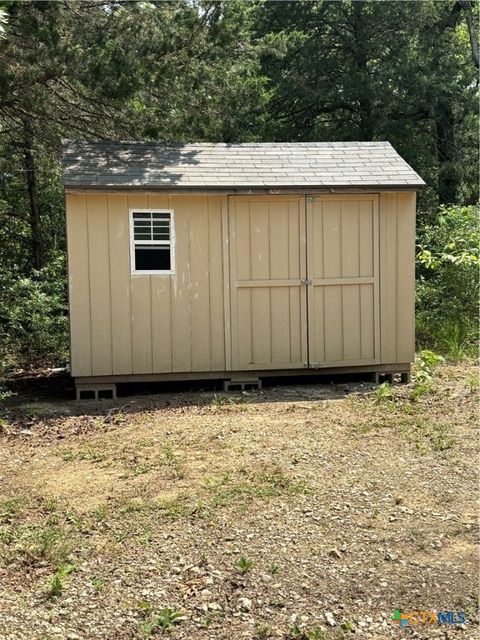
{"x": 303, "y": 281}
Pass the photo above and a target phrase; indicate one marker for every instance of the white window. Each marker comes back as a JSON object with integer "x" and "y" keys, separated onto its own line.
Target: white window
{"x": 152, "y": 241}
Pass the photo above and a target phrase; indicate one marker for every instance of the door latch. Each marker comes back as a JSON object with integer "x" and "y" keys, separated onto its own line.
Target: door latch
{"x": 306, "y": 281}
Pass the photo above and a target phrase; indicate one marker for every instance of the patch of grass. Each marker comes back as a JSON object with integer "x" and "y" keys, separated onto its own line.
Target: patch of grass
{"x": 141, "y": 468}
{"x": 429, "y": 434}
{"x": 175, "y": 464}
{"x": 420, "y": 389}
{"x": 265, "y": 484}
{"x": 88, "y": 453}
{"x": 222, "y": 401}
{"x": 177, "y": 507}
{"x": 11, "y": 508}
{"x": 243, "y": 565}
{"x": 441, "y": 438}
{"x": 30, "y": 544}
{"x": 453, "y": 341}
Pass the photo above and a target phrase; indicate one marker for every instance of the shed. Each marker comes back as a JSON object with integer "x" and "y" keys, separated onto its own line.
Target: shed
{"x": 238, "y": 261}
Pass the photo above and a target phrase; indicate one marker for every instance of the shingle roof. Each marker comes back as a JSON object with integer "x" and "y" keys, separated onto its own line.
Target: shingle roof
{"x": 248, "y": 165}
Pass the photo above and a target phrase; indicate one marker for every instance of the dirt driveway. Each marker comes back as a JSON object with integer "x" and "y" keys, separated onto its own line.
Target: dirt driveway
{"x": 299, "y": 512}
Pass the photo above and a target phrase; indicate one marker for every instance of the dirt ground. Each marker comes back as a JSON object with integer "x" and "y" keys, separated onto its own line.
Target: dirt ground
{"x": 299, "y": 512}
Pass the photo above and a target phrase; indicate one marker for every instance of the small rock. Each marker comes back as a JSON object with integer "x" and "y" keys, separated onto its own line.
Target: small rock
{"x": 335, "y": 553}
{"x": 245, "y": 604}
{"x": 330, "y": 619}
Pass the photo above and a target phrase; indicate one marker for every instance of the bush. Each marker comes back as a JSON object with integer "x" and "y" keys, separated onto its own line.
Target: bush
{"x": 447, "y": 282}
{"x": 34, "y": 318}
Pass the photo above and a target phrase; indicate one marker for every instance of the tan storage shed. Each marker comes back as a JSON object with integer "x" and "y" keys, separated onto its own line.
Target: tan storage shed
{"x": 238, "y": 261}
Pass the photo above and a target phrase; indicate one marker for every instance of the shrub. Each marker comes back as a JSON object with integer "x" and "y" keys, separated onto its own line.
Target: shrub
{"x": 447, "y": 282}
{"x": 34, "y": 318}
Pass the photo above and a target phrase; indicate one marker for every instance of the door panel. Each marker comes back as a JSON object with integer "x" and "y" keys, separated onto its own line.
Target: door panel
{"x": 268, "y": 297}
{"x": 342, "y": 267}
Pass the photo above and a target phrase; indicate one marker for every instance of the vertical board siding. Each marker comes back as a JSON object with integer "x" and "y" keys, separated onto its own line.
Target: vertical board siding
{"x": 388, "y": 276}
{"x": 99, "y": 261}
{"x": 343, "y": 309}
{"x": 265, "y": 270}
{"x": 161, "y": 306}
{"x": 141, "y": 297}
{"x": 79, "y": 285}
{"x": 120, "y": 285}
{"x": 406, "y": 277}
{"x": 199, "y": 286}
{"x": 123, "y": 323}
{"x": 215, "y": 289}
{"x": 332, "y": 239}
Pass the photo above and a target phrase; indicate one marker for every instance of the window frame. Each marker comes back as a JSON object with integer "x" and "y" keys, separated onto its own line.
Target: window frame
{"x": 134, "y": 243}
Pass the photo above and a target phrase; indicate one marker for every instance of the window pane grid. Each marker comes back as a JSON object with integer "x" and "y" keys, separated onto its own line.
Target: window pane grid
{"x": 152, "y": 241}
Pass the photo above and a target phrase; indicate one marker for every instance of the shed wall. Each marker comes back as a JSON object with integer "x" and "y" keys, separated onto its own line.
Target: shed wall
{"x": 123, "y": 323}
{"x": 145, "y": 324}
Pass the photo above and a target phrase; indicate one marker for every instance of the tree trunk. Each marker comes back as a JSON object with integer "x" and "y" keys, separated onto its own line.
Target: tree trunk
{"x": 467, "y": 7}
{"x": 34, "y": 218}
{"x": 447, "y": 174}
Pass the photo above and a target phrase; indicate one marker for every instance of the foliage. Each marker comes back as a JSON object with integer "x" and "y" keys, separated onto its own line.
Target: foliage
{"x": 447, "y": 281}
{"x": 33, "y": 318}
{"x": 243, "y": 565}
{"x": 57, "y": 581}
{"x": 165, "y": 620}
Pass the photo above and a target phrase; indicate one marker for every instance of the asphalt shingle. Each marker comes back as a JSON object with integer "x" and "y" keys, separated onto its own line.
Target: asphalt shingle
{"x": 224, "y": 166}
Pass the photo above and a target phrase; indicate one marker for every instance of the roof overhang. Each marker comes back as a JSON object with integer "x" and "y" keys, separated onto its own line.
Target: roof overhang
{"x": 241, "y": 190}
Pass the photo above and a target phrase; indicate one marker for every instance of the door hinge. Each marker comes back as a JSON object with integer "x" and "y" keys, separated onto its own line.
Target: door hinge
{"x": 306, "y": 281}
{"x": 310, "y": 199}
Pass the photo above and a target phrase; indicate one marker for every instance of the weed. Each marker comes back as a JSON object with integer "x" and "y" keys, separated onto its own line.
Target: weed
{"x": 243, "y": 565}
{"x": 165, "y": 620}
{"x": 474, "y": 383}
{"x": 347, "y": 625}
{"x": 56, "y": 583}
{"x": 146, "y": 538}
{"x": 221, "y": 401}
{"x": 440, "y": 437}
{"x": 425, "y": 363}
{"x": 141, "y": 468}
{"x": 307, "y": 633}
{"x": 420, "y": 389}
{"x": 144, "y": 606}
{"x": 384, "y": 393}
{"x": 100, "y": 512}
{"x": 274, "y": 569}
{"x": 263, "y": 631}
{"x": 174, "y": 462}
{"x": 98, "y": 584}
